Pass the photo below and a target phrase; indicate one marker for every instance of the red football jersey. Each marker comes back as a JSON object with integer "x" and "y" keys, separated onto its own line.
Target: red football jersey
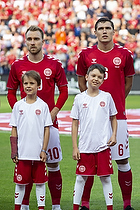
{"x": 118, "y": 63}
{"x": 50, "y": 70}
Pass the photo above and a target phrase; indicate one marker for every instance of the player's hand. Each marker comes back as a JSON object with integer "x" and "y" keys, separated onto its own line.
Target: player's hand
{"x": 15, "y": 159}
{"x": 54, "y": 113}
{"x": 112, "y": 141}
{"x": 43, "y": 156}
{"x": 76, "y": 154}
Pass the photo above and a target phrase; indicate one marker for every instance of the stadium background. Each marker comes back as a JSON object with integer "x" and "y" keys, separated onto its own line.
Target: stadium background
{"x": 68, "y": 27}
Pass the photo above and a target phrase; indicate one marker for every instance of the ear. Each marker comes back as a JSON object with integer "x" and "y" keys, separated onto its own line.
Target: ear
{"x": 102, "y": 81}
{"x": 86, "y": 77}
{"x": 39, "y": 87}
{"x": 43, "y": 42}
{"x": 95, "y": 32}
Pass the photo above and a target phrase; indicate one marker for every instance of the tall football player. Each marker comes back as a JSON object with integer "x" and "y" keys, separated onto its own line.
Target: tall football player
{"x": 52, "y": 73}
{"x": 118, "y": 62}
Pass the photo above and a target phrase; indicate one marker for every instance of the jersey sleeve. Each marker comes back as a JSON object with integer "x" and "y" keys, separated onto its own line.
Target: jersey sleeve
{"x": 129, "y": 67}
{"x": 112, "y": 110}
{"x": 13, "y": 119}
{"x": 74, "y": 112}
{"x": 13, "y": 82}
{"x": 47, "y": 117}
{"x": 60, "y": 77}
{"x": 81, "y": 66}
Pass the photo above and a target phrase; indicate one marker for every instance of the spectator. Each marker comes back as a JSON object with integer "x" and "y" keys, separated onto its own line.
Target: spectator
{"x": 62, "y": 56}
{"x": 137, "y": 61}
{"x": 60, "y": 36}
{"x": 17, "y": 15}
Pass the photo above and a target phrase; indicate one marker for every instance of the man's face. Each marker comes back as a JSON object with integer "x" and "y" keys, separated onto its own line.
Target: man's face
{"x": 104, "y": 32}
{"x": 34, "y": 42}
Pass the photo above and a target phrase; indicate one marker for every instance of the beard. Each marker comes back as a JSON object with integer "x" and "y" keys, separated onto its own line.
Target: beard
{"x": 35, "y": 50}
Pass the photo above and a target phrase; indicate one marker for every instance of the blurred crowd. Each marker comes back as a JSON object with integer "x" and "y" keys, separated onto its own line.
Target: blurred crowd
{"x": 68, "y": 26}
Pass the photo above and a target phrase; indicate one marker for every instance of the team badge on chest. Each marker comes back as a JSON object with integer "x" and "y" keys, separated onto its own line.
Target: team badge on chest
{"x": 38, "y": 112}
{"x": 48, "y": 72}
{"x": 117, "y": 61}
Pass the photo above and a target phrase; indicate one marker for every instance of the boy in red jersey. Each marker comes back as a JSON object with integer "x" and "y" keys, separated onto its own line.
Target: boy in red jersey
{"x": 30, "y": 121}
{"x": 118, "y": 62}
{"x": 52, "y": 73}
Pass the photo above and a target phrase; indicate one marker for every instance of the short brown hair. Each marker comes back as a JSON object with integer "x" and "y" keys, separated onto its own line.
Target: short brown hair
{"x": 33, "y": 74}
{"x": 35, "y": 28}
{"x": 103, "y": 20}
{"x": 100, "y": 67}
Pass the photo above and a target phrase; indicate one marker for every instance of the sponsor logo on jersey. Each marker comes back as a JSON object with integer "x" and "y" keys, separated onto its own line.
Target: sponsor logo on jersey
{"x": 102, "y": 104}
{"x": 93, "y": 60}
{"x": 84, "y": 105}
{"x": 48, "y": 72}
{"x": 117, "y": 61}
{"x": 21, "y": 112}
{"x": 23, "y": 72}
{"x": 38, "y": 112}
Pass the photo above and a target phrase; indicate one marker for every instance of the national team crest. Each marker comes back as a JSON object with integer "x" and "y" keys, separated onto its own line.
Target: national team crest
{"x": 82, "y": 168}
{"x": 102, "y": 104}
{"x": 38, "y": 112}
{"x": 48, "y": 72}
{"x": 117, "y": 61}
{"x": 19, "y": 177}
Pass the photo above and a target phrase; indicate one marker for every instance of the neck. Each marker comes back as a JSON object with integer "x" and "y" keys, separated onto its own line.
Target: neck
{"x": 35, "y": 58}
{"x": 92, "y": 92}
{"x": 105, "y": 47}
{"x": 30, "y": 99}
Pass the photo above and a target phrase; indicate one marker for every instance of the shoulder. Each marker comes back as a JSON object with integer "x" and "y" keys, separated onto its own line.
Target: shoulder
{"x": 88, "y": 49}
{"x": 51, "y": 58}
{"x": 18, "y": 103}
{"x": 122, "y": 49}
{"x": 80, "y": 95}
{"x": 41, "y": 102}
{"x": 20, "y": 61}
{"x": 53, "y": 62}
{"x": 106, "y": 94}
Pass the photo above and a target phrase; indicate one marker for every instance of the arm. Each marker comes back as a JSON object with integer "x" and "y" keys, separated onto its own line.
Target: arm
{"x": 14, "y": 146}
{"x": 112, "y": 141}
{"x": 128, "y": 85}
{"x": 11, "y": 96}
{"x": 82, "y": 83}
{"x": 43, "y": 155}
{"x": 76, "y": 153}
{"x": 63, "y": 95}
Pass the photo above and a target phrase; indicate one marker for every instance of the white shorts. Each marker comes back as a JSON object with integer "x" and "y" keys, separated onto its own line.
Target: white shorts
{"x": 121, "y": 150}
{"x": 54, "y": 148}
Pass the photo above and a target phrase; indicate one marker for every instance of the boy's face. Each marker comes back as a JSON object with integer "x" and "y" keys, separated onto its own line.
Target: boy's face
{"x": 30, "y": 85}
{"x": 95, "y": 78}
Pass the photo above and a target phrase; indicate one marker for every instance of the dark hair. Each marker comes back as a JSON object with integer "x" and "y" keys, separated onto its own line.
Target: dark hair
{"x": 103, "y": 20}
{"x": 100, "y": 67}
{"x": 33, "y": 74}
{"x": 35, "y": 28}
